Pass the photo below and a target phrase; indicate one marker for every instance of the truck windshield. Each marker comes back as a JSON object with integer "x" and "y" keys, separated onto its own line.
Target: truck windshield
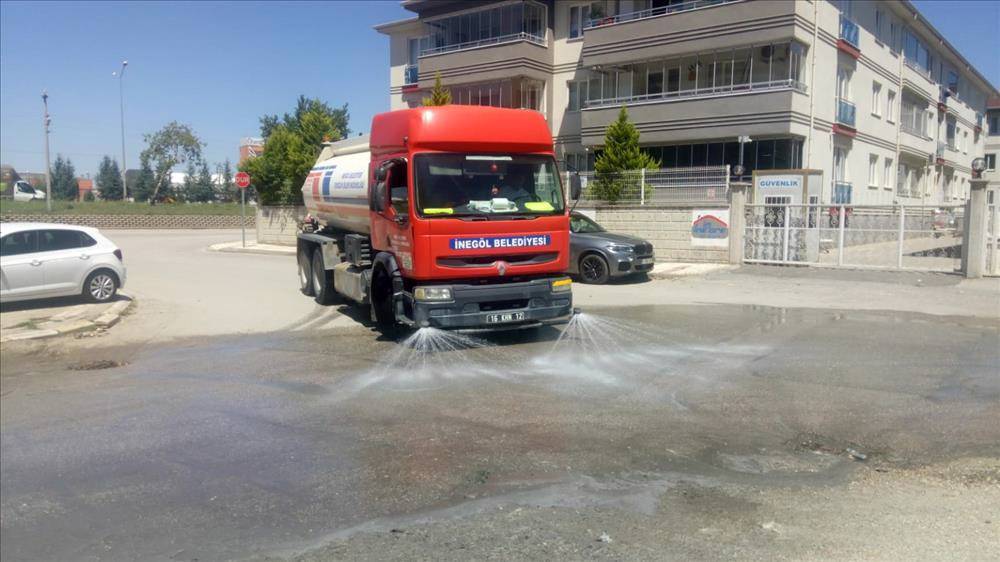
{"x": 492, "y": 186}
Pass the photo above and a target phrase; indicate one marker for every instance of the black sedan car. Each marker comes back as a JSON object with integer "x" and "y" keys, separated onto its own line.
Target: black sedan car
{"x": 597, "y": 255}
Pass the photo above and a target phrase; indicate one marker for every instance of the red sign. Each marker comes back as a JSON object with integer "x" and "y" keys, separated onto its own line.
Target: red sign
{"x": 242, "y": 180}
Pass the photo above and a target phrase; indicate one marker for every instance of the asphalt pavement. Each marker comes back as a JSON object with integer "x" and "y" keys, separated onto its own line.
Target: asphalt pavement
{"x": 249, "y": 423}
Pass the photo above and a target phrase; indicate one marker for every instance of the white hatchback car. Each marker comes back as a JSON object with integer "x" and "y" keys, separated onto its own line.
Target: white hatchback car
{"x": 39, "y": 260}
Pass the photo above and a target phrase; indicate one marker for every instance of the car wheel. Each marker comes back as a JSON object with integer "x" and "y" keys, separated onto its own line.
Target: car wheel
{"x": 305, "y": 274}
{"x": 322, "y": 288}
{"x": 100, "y": 286}
{"x": 594, "y": 269}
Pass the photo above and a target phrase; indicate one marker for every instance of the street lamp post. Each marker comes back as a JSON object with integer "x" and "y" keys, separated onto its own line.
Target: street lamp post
{"x": 121, "y": 99}
{"x": 48, "y": 168}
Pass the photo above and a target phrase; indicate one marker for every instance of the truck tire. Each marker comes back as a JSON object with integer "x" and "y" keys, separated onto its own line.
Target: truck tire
{"x": 381, "y": 299}
{"x": 322, "y": 285}
{"x": 594, "y": 269}
{"x": 305, "y": 273}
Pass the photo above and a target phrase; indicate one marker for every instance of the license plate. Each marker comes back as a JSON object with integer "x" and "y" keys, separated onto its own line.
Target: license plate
{"x": 644, "y": 261}
{"x": 504, "y": 317}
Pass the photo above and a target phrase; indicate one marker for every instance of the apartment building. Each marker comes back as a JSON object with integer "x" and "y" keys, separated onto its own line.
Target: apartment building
{"x": 992, "y": 150}
{"x": 867, "y": 92}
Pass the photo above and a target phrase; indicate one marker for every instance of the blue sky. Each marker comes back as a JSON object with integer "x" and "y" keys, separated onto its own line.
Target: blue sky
{"x": 218, "y": 66}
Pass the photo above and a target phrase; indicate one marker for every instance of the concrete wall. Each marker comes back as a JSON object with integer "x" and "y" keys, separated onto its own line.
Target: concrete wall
{"x": 138, "y": 222}
{"x": 278, "y": 224}
{"x": 667, "y": 228}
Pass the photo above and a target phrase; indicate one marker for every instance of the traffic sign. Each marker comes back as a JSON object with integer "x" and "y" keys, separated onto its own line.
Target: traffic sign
{"x": 242, "y": 180}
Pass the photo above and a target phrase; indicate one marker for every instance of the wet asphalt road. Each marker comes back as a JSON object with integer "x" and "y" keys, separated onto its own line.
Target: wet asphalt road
{"x": 277, "y": 444}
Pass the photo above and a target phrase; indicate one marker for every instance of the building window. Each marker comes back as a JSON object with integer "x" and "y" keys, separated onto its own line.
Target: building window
{"x": 511, "y": 22}
{"x": 777, "y": 65}
{"x": 890, "y": 106}
{"x": 912, "y": 117}
{"x": 519, "y": 93}
{"x": 876, "y": 99}
{"x": 576, "y": 21}
{"x": 887, "y": 174}
{"x": 873, "y": 170}
{"x": 879, "y": 24}
{"x": 950, "y": 131}
{"x": 953, "y": 82}
{"x": 991, "y": 162}
{"x": 916, "y": 53}
{"x": 574, "y": 96}
{"x": 965, "y": 142}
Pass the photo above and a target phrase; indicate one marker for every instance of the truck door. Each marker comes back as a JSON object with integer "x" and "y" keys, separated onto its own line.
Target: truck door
{"x": 395, "y": 232}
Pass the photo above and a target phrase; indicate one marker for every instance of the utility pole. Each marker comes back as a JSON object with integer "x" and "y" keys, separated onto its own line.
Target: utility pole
{"x": 48, "y": 168}
{"x": 121, "y": 99}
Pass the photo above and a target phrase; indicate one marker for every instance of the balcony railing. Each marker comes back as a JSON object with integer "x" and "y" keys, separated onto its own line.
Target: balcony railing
{"x": 917, "y": 67}
{"x": 842, "y": 192}
{"x": 696, "y": 93}
{"x": 654, "y": 12}
{"x": 849, "y": 31}
{"x": 513, "y": 37}
{"x": 410, "y": 74}
{"x": 845, "y": 112}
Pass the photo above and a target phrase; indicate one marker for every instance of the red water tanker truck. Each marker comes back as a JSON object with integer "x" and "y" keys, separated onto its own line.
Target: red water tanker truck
{"x": 452, "y": 217}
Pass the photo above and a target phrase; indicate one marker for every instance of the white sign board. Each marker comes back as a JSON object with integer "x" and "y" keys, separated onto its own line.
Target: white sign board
{"x": 778, "y": 185}
{"x": 710, "y": 227}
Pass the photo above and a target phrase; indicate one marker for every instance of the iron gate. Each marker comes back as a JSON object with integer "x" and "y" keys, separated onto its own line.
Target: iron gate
{"x": 869, "y": 236}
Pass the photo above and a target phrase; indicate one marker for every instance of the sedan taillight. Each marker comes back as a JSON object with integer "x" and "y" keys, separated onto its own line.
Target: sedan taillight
{"x": 118, "y": 254}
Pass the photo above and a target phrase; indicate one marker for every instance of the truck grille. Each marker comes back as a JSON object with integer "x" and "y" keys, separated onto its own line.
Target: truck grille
{"x": 485, "y": 261}
{"x": 503, "y": 305}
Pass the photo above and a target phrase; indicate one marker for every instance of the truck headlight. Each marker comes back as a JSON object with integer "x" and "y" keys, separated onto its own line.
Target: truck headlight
{"x": 563, "y": 285}
{"x": 432, "y": 293}
{"x": 620, "y": 249}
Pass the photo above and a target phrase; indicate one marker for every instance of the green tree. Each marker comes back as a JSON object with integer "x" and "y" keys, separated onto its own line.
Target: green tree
{"x": 140, "y": 182}
{"x": 621, "y": 153}
{"x": 439, "y": 94}
{"x": 279, "y": 173}
{"x": 291, "y": 145}
{"x": 227, "y": 186}
{"x": 63, "y": 175}
{"x": 171, "y": 146}
{"x": 204, "y": 187}
{"x": 109, "y": 179}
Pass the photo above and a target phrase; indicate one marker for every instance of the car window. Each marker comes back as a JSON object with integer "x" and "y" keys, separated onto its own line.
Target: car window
{"x": 25, "y": 188}
{"x": 86, "y": 241}
{"x": 16, "y": 243}
{"x": 55, "y": 240}
{"x": 581, "y": 224}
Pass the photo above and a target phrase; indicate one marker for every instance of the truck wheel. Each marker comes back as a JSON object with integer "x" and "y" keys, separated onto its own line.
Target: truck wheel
{"x": 305, "y": 274}
{"x": 381, "y": 298}
{"x": 321, "y": 282}
{"x": 594, "y": 269}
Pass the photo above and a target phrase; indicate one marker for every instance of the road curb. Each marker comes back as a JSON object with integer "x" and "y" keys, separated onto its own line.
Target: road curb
{"x": 108, "y": 318}
{"x": 259, "y": 249}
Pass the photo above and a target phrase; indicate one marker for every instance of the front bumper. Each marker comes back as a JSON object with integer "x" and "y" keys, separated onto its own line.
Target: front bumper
{"x": 472, "y": 306}
{"x": 623, "y": 264}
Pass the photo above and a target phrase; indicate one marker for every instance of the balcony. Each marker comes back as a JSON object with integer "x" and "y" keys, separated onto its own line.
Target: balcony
{"x": 697, "y": 93}
{"x": 842, "y": 191}
{"x": 848, "y": 40}
{"x": 672, "y": 120}
{"x": 703, "y": 27}
{"x": 489, "y": 41}
{"x": 410, "y": 75}
{"x": 654, "y": 12}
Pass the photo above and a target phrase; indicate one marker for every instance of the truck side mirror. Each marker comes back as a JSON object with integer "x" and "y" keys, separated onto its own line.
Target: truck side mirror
{"x": 376, "y": 201}
{"x": 575, "y": 187}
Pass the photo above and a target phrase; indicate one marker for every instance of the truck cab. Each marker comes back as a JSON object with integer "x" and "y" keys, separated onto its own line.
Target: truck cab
{"x": 467, "y": 224}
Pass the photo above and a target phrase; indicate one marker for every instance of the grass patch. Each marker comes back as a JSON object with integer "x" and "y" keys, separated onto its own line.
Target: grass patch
{"x": 8, "y": 207}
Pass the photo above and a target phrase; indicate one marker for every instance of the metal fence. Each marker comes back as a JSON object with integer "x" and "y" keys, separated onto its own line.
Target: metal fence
{"x": 870, "y": 236}
{"x": 652, "y": 187}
